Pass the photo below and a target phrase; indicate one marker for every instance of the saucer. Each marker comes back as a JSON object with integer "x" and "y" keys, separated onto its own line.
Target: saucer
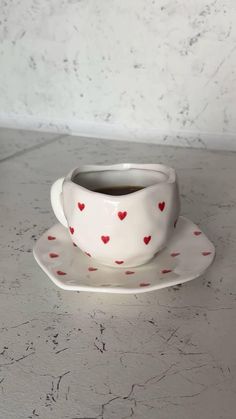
{"x": 186, "y": 256}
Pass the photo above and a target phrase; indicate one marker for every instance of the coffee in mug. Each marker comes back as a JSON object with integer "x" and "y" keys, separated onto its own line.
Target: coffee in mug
{"x": 121, "y": 215}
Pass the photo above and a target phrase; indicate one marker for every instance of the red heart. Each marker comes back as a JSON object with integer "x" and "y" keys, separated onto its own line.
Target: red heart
{"x": 206, "y": 253}
{"x": 122, "y": 215}
{"x": 119, "y": 262}
{"x": 161, "y": 206}
{"x": 175, "y": 254}
{"x": 74, "y": 244}
{"x": 197, "y": 233}
{"x": 147, "y": 239}
{"x": 129, "y": 272}
{"x": 51, "y": 238}
{"x": 72, "y": 230}
{"x": 166, "y": 271}
{"x": 88, "y": 254}
{"x": 53, "y": 255}
{"x": 175, "y": 223}
{"x": 91, "y": 269}
{"x": 144, "y": 284}
{"x": 105, "y": 239}
{"x": 61, "y": 273}
{"x": 81, "y": 206}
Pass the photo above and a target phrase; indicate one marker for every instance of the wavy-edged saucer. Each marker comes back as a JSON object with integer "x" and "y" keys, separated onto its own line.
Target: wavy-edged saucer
{"x": 187, "y": 255}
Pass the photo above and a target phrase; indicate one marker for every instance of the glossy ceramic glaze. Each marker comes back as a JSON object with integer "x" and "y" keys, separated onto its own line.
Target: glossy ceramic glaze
{"x": 186, "y": 256}
{"x": 118, "y": 231}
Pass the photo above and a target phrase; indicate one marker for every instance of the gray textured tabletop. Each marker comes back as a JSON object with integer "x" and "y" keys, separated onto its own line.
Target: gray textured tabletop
{"x": 68, "y": 355}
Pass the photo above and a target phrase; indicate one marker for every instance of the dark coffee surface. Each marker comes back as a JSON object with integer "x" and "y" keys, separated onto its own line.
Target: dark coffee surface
{"x": 119, "y": 190}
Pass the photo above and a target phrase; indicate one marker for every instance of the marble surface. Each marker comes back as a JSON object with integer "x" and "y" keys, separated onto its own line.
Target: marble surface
{"x": 159, "y": 71}
{"x": 15, "y": 142}
{"x": 68, "y": 355}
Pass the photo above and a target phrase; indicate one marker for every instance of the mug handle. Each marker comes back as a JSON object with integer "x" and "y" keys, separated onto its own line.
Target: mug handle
{"x": 56, "y": 201}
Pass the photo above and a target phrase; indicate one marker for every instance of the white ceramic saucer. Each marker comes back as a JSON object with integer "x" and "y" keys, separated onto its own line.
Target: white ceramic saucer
{"x": 187, "y": 255}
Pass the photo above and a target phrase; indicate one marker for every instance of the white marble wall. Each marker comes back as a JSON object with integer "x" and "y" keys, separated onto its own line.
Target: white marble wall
{"x": 159, "y": 70}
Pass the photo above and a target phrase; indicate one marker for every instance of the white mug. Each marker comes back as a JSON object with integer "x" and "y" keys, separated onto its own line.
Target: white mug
{"x": 118, "y": 231}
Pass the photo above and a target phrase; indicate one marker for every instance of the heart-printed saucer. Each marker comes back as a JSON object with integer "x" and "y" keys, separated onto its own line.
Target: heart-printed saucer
{"x": 186, "y": 256}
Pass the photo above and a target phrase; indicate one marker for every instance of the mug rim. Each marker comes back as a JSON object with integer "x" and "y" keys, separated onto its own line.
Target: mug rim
{"x": 168, "y": 171}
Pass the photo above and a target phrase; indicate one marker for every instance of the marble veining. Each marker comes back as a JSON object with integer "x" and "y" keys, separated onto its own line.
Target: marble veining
{"x": 151, "y": 70}
{"x": 68, "y": 355}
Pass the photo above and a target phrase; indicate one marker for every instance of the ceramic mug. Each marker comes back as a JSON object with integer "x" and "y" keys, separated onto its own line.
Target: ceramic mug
{"x": 118, "y": 231}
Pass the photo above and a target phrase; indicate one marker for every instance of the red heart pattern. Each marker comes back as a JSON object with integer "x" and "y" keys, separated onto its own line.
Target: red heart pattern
{"x": 147, "y": 239}
{"x": 51, "y": 238}
{"x": 166, "y": 271}
{"x": 161, "y": 206}
{"x": 81, "y": 206}
{"x": 122, "y": 215}
{"x": 105, "y": 239}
